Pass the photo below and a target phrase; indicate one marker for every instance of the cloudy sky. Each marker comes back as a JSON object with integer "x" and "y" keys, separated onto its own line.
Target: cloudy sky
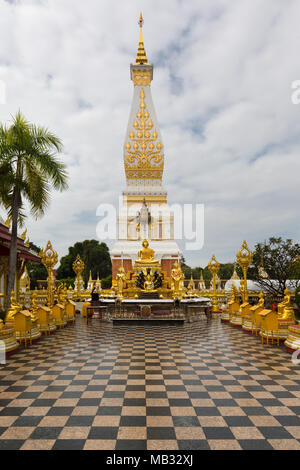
{"x": 222, "y": 90}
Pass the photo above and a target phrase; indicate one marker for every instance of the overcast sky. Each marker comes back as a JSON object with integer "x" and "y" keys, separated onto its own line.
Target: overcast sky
{"x": 222, "y": 92}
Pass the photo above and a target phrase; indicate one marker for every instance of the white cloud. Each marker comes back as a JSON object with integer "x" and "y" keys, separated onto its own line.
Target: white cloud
{"x": 222, "y": 92}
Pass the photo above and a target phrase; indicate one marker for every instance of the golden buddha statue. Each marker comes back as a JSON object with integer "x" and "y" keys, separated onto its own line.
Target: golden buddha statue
{"x": 261, "y": 302}
{"x": 121, "y": 279}
{"x": 149, "y": 285}
{"x": 177, "y": 278}
{"x": 1, "y": 325}
{"x": 34, "y": 307}
{"x": 146, "y": 255}
{"x": 13, "y": 309}
{"x": 285, "y": 310}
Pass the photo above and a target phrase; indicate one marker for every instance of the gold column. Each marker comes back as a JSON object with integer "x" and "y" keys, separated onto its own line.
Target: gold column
{"x": 214, "y": 268}
{"x": 49, "y": 259}
{"x": 244, "y": 258}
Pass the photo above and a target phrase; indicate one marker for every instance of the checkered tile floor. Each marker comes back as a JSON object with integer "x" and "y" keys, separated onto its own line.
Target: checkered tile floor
{"x": 200, "y": 386}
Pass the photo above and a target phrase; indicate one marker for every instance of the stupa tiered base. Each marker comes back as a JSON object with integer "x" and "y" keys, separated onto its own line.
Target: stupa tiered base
{"x": 7, "y": 335}
{"x": 248, "y": 325}
{"x": 225, "y": 317}
{"x": 292, "y": 342}
{"x": 283, "y": 331}
{"x": 236, "y": 320}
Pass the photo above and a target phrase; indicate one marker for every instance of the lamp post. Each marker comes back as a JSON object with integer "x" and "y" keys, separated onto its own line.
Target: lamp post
{"x": 49, "y": 259}
{"x": 244, "y": 258}
{"x": 214, "y": 268}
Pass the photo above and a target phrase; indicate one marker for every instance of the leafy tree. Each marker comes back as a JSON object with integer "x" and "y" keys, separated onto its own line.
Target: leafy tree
{"x": 95, "y": 256}
{"x": 28, "y": 169}
{"x": 107, "y": 282}
{"x": 281, "y": 261}
{"x": 36, "y": 271}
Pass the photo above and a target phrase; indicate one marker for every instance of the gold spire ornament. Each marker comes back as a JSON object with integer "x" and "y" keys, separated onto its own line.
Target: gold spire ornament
{"x": 8, "y": 222}
{"x": 214, "y": 268}
{"x": 141, "y": 57}
{"x": 144, "y": 157}
{"x": 78, "y": 268}
{"x": 244, "y": 258}
{"x": 49, "y": 259}
{"x": 23, "y": 236}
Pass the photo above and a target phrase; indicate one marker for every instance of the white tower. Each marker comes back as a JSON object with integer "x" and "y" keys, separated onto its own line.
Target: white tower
{"x": 145, "y": 213}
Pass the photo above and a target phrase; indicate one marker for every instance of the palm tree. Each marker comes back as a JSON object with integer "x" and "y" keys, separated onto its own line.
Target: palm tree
{"x": 28, "y": 169}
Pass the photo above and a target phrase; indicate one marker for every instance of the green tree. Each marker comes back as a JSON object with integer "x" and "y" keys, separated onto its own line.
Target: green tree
{"x": 281, "y": 262}
{"x": 36, "y": 271}
{"x": 95, "y": 256}
{"x": 28, "y": 169}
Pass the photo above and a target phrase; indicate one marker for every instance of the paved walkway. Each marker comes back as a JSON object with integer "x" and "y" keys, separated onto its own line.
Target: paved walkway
{"x": 201, "y": 386}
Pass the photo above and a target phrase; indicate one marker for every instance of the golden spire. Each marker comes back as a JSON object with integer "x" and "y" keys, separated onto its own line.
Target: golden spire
{"x": 141, "y": 57}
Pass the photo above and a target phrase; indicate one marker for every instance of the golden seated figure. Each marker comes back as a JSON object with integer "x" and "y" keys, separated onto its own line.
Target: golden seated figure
{"x": 146, "y": 255}
{"x": 285, "y": 310}
{"x": 149, "y": 285}
{"x": 13, "y": 310}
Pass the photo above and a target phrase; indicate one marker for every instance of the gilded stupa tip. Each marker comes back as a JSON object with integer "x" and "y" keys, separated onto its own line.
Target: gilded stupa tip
{"x": 141, "y": 57}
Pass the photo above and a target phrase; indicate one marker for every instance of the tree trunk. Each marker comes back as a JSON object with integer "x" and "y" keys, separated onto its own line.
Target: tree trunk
{"x": 12, "y": 266}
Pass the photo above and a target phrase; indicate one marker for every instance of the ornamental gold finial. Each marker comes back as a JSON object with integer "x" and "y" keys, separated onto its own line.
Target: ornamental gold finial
{"x": 141, "y": 57}
{"x": 8, "y": 222}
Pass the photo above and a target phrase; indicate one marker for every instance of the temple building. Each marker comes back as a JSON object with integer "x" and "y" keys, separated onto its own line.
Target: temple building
{"x": 24, "y": 256}
{"x": 145, "y": 214}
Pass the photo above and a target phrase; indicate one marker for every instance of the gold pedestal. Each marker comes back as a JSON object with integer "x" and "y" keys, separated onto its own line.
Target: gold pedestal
{"x": 7, "y": 335}
{"x": 292, "y": 342}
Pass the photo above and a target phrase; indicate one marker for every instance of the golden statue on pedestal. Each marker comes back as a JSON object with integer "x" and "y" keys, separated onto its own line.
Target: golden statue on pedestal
{"x": 285, "y": 310}
{"x": 146, "y": 255}
{"x": 14, "y": 308}
{"x": 121, "y": 280}
{"x": 177, "y": 278}
{"x": 149, "y": 284}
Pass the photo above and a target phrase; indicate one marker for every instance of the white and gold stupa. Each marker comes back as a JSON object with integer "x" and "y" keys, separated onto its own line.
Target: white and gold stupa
{"x": 145, "y": 213}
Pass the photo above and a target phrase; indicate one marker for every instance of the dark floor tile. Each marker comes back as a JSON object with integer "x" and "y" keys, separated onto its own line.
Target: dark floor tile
{"x": 179, "y": 402}
{"x": 193, "y": 445}
{"x": 131, "y": 445}
{"x": 218, "y": 433}
{"x": 46, "y": 433}
{"x": 89, "y": 402}
{"x": 28, "y": 421}
{"x": 80, "y": 421}
{"x": 43, "y": 403}
{"x": 255, "y": 444}
{"x": 255, "y": 411}
{"x": 133, "y": 421}
{"x": 66, "y": 395}
{"x": 12, "y": 411}
{"x": 275, "y": 432}
{"x": 60, "y": 411}
{"x": 109, "y": 410}
{"x": 66, "y": 444}
{"x": 158, "y": 411}
{"x": 207, "y": 411}
{"x": 238, "y": 421}
{"x": 163, "y": 433}
{"x": 103, "y": 433}
{"x": 289, "y": 420}
{"x": 185, "y": 421}
{"x": 11, "y": 444}
{"x": 156, "y": 395}
{"x": 134, "y": 402}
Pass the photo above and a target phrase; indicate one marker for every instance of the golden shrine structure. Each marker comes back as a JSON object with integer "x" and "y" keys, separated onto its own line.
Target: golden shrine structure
{"x": 146, "y": 293}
